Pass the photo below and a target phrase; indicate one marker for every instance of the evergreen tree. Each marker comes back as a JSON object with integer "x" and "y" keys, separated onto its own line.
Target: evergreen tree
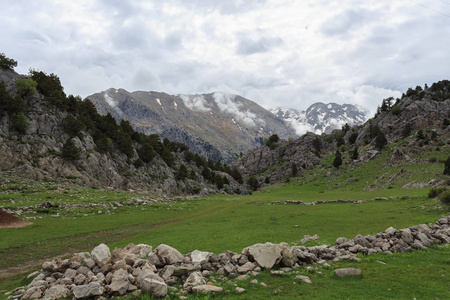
{"x": 294, "y": 170}
{"x": 447, "y": 166}
{"x": 253, "y": 183}
{"x": 355, "y": 153}
{"x": 19, "y": 123}
{"x": 182, "y": 172}
{"x": 380, "y": 140}
{"x": 219, "y": 182}
{"x": 337, "y": 162}
{"x": 70, "y": 151}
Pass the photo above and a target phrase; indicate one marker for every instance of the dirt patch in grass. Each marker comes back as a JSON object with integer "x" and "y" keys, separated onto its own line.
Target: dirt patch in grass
{"x": 9, "y": 221}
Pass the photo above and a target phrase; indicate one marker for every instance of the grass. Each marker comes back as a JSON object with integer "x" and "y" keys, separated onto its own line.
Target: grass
{"x": 231, "y": 222}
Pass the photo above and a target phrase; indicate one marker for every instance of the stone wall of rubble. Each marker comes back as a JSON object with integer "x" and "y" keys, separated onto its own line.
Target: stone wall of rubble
{"x": 140, "y": 268}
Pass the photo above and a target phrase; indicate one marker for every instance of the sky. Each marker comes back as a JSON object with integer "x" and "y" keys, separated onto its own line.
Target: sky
{"x": 275, "y": 52}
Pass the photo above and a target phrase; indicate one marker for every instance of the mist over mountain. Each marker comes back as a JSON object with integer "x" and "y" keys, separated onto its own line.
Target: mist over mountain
{"x": 218, "y": 125}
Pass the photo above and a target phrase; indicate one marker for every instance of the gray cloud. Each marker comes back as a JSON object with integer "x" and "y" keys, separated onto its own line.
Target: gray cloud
{"x": 352, "y": 51}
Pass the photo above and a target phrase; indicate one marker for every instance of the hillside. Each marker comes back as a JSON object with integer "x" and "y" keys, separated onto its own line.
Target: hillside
{"x": 218, "y": 126}
{"x": 408, "y": 131}
{"x": 45, "y": 134}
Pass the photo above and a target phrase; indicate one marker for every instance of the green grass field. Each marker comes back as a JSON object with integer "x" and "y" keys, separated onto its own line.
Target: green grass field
{"x": 231, "y": 222}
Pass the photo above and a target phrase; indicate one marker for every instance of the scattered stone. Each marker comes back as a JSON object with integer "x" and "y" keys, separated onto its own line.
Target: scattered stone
{"x": 304, "y": 279}
{"x": 206, "y": 289}
{"x": 266, "y": 254}
{"x": 239, "y": 290}
{"x": 88, "y": 290}
{"x": 347, "y": 272}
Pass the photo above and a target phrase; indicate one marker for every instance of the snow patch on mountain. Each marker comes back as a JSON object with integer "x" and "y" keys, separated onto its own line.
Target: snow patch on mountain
{"x": 320, "y": 117}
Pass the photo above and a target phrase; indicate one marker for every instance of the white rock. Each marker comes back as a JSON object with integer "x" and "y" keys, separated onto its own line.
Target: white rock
{"x": 101, "y": 255}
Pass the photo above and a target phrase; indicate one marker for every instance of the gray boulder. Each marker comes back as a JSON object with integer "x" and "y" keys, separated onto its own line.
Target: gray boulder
{"x": 57, "y": 292}
{"x": 88, "y": 290}
{"x": 119, "y": 283}
{"x": 101, "y": 255}
{"x": 168, "y": 255}
{"x": 154, "y": 287}
{"x": 206, "y": 289}
{"x": 266, "y": 255}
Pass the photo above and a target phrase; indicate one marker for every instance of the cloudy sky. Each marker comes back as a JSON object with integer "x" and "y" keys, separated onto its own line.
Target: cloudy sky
{"x": 275, "y": 52}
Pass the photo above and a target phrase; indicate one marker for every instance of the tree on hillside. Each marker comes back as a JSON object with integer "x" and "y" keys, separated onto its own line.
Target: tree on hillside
{"x": 253, "y": 183}
{"x": 70, "y": 151}
{"x": 7, "y": 63}
{"x": 19, "y": 123}
{"x": 26, "y": 87}
{"x": 337, "y": 162}
{"x": 294, "y": 170}
{"x": 380, "y": 140}
{"x": 447, "y": 166}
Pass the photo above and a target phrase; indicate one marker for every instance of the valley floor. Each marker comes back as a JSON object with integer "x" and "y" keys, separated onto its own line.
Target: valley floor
{"x": 68, "y": 219}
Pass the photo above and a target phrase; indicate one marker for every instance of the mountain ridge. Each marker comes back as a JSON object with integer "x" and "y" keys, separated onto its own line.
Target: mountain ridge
{"x": 218, "y": 125}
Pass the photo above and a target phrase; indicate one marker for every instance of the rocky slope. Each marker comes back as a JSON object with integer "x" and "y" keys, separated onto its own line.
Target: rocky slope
{"x": 425, "y": 115}
{"x": 320, "y": 117}
{"x": 219, "y": 126}
{"x": 35, "y": 136}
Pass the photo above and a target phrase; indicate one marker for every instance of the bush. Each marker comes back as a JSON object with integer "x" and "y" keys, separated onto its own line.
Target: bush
{"x": 7, "y": 63}
{"x": 337, "y": 162}
{"x": 19, "y": 123}
{"x": 72, "y": 126}
{"x": 70, "y": 151}
{"x": 26, "y": 87}
{"x": 447, "y": 166}
{"x": 434, "y": 192}
{"x": 380, "y": 140}
{"x": 445, "y": 197}
{"x": 396, "y": 110}
{"x": 253, "y": 183}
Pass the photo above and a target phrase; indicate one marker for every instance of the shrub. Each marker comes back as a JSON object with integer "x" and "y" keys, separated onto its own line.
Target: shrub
{"x": 447, "y": 166}
{"x": 72, "y": 126}
{"x": 445, "y": 197}
{"x": 26, "y": 87}
{"x": 70, "y": 151}
{"x": 253, "y": 183}
{"x": 434, "y": 192}
{"x": 7, "y": 63}
{"x": 396, "y": 110}
{"x": 380, "y": 140}
{"x": 272, "y": 141}
{"x": 19, "y": 123}
{"x": 353, "y": 137}
{"x": 337, "y": 162}
{"x": 407, "y": 130}
{"x": 182, "y": 172}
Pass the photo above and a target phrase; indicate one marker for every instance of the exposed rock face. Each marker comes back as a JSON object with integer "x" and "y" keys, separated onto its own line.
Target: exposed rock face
{"x": 304, "y": 152}
{"x": 36, "y": 154}
{"x": 62, "y": 278}
{"x": 218, "y": 125}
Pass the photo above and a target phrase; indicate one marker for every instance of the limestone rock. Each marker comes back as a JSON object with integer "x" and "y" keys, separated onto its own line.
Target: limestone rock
{"x": 266, "y": 255}
{"x": 154, "y": 287}
{"x": 199, "y": 257}
{"x": 347, "y": 272}
{"x": 119, "y": 283}
{"x": 206, "y": 289}
{"x": 304, "y": 279}
{"x": 168, "y": 255}
{"x": 101, "y": 255}
{"x": 194, "y": 279}
{"x": 88, "y": 290}
{"x": 247, "y": 267}
{"x": 56, "y": 292}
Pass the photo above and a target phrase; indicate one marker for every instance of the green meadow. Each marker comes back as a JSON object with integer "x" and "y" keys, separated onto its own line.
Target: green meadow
{"x": 232, "y": 222}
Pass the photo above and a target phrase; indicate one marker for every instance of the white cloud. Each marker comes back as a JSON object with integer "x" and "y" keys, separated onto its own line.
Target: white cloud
{"x": 195, "y": 102}
{"x": 275, "y": 52}
{"x": 225, "y": 102}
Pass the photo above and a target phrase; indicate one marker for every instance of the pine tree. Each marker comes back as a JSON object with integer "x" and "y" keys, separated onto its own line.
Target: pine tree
{"x": 70, "y": 151}
{"x": 337, "y": 162}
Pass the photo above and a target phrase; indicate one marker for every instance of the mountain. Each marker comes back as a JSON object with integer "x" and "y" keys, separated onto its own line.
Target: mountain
{"x": 219, "y": 126}
{"x": 414, "y": 130}
{"x": 320, "y": 117}
{"x": 47, "y": 135}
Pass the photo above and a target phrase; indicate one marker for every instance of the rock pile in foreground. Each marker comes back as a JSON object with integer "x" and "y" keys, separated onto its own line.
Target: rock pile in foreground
{"x": 140, "y": 268}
